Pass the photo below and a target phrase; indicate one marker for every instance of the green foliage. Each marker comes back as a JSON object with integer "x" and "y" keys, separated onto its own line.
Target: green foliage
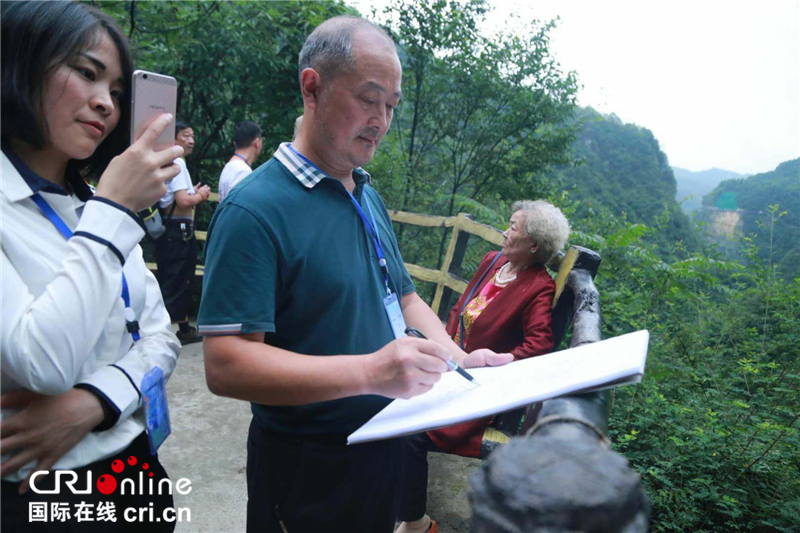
{"x": 481, "y": 115}
{"x": 233, "y": 61}
{"x": 754, "y": 196}
{"x": 621, "y": 168}
{"x": 692, "y": 186}
{"x": 713, "y": 428}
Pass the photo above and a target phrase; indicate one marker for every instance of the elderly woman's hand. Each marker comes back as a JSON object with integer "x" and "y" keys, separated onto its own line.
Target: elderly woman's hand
{"x": 486, "y": 357}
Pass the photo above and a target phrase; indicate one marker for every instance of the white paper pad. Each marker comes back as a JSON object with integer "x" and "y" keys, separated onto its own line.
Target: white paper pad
{"x": 453, "y": 399}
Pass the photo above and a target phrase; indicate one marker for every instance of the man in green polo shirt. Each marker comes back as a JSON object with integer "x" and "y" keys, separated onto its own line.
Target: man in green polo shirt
{"x": 306, "y": 297}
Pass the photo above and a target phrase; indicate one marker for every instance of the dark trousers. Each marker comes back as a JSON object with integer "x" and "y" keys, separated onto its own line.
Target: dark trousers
{"x": 176, "y": 257}
{"x": 314, "y": 487}
{"x": 414, "y": 498}
{"x": 16, "y": 510}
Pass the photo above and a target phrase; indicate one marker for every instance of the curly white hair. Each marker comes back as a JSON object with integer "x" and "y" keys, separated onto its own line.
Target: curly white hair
{"x": 545, "y": 225}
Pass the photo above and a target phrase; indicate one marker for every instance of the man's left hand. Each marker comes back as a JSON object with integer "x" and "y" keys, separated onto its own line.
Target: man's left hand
{"x": 486, "y": 357}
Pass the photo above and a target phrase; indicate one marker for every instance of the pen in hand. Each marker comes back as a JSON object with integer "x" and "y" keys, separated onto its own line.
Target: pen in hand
{"x": 452, "y": 364}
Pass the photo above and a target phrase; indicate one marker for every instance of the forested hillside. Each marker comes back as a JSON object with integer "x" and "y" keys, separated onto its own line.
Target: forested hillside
{"x": 692, "y": 186}
{"x": 622, "y": 168}
{"x": 751, "y": 198}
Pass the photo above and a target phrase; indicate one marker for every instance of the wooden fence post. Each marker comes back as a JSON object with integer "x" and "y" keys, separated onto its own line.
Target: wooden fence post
{"x": 460, "y": 249}
{"x": 448, "y": 261}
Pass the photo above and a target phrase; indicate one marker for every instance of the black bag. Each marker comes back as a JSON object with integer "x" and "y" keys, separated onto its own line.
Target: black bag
{"x": 154, "y": 222}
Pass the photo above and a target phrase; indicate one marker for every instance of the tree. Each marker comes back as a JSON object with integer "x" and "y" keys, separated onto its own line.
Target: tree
{"x": 233, "y": 61}
{"x": 482, "y": 114}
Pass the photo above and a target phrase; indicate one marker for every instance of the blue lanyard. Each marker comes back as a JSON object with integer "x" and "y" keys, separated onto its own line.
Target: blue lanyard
{"x": 52, "y": 216}
{"x": 243, "y": 159}
{"x": 372, "y": 227}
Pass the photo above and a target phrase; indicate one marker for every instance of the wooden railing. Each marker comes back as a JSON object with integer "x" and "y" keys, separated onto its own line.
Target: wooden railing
{"x": 447, "y": 278}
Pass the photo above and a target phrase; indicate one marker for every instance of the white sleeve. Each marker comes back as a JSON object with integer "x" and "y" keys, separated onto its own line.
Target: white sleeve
{"x": 45, "y": 341}
{"x": 121, "y": 382}
{"x": 182, "y": 181}
{"x": 239, "y": 176}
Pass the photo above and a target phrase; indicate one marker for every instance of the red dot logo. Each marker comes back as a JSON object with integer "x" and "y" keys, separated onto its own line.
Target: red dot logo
{"x": 151, "y": 474}
{"x": 145, "y": 466}
{"x": 131, "y": 460}
{"x": 117, "y": 466}
{"x": 106, "y": 484}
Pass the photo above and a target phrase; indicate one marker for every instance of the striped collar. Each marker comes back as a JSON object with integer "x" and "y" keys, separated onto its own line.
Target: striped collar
{"x": 307, "y": 172}
{"x": 32, "y": 183}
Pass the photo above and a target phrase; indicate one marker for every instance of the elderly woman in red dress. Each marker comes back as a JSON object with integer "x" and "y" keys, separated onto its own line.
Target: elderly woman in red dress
{"x": 506, "y": 308}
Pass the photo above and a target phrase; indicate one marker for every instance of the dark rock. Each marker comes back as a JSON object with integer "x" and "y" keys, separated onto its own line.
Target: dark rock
{"x": 561, "y": 480}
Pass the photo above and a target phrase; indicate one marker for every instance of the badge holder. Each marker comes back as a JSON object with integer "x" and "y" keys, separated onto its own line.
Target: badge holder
{"x": 395, "y": 314}
{"x": 156, "y": 410}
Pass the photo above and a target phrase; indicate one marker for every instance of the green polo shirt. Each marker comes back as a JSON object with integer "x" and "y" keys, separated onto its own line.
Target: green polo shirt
{"x": 289, "y": 255}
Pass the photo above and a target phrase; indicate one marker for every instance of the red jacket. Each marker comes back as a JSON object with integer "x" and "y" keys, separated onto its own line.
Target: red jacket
{"x": 518, "y": 320}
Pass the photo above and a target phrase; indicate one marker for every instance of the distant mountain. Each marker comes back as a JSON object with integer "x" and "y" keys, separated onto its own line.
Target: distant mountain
{"x": 692, "y": 186}
{"x": 741, "y": 205}
{"x": 621, "y": 167}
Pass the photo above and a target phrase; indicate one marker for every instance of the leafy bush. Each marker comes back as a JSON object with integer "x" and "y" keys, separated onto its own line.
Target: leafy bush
{"x": 713, "y": 428}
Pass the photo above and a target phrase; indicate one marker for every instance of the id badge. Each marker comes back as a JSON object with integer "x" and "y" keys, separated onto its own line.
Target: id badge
{"x": 156, "y": 410}
{"x": 395, "y": 314}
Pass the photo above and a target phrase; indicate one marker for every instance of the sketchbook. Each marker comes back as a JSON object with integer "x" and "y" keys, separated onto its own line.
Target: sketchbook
{"x": 588, "y": 368}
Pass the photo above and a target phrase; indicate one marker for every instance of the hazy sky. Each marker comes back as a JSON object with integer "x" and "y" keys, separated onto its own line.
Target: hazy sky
{"x": 715, "y": 81}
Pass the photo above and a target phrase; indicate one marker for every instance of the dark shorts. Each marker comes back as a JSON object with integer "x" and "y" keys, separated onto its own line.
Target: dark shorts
{"x": 16, "y": 510}
{"x": 313, "y": 487}
{"x": 176, "y": 257}
{"x": 414, "y": 499}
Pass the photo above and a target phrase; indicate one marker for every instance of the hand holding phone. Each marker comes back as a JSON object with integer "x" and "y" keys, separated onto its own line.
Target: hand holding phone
{"x": 137, "y": 178}
{"x": 153, "y": 95}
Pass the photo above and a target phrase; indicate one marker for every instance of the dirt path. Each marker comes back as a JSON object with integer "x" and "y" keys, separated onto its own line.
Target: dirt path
{"x": 208, "y": 447}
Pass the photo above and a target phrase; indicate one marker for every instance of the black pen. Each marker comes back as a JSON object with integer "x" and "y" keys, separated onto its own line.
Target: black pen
{"x": 452, "y": 364}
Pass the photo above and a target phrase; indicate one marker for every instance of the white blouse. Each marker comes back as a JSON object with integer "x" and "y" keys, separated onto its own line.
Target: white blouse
{"x": 63, "y": 320}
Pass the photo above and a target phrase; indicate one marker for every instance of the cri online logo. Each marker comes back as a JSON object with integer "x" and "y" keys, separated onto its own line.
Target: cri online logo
{"x": 107, "y": 483}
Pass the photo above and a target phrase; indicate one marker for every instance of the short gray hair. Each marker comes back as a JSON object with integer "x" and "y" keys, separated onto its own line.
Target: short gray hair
{"x": 545, "y": 225}
{"x": 329, "y": 48}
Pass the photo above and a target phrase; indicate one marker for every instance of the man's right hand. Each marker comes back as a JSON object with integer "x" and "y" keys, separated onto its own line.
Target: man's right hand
{"x": 405, "y": 367}
{"x": 137, "y": 178}
{"x": 203, "y": 192}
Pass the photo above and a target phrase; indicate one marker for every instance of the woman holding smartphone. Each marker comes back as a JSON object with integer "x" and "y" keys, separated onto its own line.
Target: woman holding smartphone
{"x": 82, "y": 318}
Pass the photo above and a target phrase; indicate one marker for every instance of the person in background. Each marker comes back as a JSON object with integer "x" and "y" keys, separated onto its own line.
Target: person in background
{"x": 506, "y": 307}
{"x": 298, "y": 122}
{"x": 74, "y": 344}
{"x": 306, "y": 299}
{"x": 247, "y": 146}
{"x": 176, "y": 249}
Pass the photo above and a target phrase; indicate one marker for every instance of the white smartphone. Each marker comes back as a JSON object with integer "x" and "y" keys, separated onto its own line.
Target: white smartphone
{"x": 152, "y": 95}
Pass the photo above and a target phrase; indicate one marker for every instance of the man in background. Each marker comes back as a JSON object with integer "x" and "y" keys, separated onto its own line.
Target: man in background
{"x": 176, "y": 249}
{"x": 247, "y": 146}
{"x": 297, "y": 123}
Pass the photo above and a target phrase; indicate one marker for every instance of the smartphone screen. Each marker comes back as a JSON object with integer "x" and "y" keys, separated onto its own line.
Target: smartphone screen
{"x": 152, "y": 95}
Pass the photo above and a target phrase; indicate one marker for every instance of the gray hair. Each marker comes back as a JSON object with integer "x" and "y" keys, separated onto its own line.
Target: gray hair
{"x": 329, "y": 48}
{"x": 545, "y": 225}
